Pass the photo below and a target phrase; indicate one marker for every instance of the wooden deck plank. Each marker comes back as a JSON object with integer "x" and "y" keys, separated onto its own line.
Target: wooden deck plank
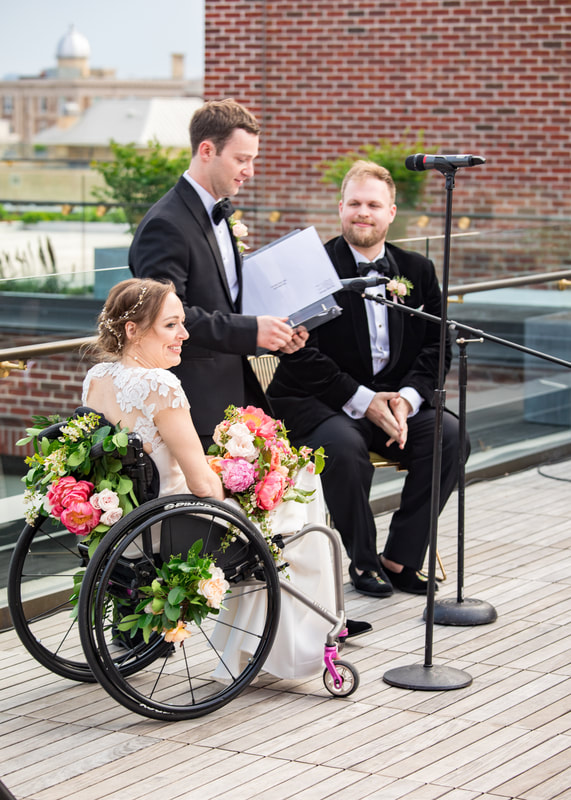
{"x": 507, "y": 735}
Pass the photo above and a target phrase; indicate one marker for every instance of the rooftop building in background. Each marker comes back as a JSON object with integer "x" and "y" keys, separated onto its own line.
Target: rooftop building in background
{"x": 135, "y": 120}
{"x": 62, "y": 93}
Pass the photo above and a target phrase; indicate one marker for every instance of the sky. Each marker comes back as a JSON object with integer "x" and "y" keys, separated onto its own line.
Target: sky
{"x": 135, "y": 37}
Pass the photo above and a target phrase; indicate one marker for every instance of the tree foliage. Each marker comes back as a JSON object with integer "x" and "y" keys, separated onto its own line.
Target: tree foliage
{"x": 390, "y": 155}
{"x": 136, "y": 179}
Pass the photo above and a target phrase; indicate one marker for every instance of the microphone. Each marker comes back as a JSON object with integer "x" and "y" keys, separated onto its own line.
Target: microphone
{"x": 360, "y": 284}
{"x": 420, "y": 162}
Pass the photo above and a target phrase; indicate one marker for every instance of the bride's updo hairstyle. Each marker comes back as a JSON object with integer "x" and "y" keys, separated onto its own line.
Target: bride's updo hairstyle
{"x": 134, "y": 300}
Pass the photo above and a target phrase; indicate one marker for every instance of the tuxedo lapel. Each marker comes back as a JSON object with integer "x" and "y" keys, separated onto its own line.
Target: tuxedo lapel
{"x": 395, "y": 319}
{"x": 196, "y": 208}
{"x": 239, "y": 263}
{"x": 353, "y": 304}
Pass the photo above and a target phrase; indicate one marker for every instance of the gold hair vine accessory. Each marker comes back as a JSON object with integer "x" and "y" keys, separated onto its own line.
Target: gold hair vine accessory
{"x": 110, "y": 324}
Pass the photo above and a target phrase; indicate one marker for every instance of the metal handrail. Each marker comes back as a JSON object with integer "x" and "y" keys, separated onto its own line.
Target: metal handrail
{"x": 8, "y": 355}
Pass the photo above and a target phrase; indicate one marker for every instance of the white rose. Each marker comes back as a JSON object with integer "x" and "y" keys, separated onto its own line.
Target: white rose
{"x": 241, "y": 442}
{"x": 219, "y": 430}
{"x": 107, "y": 499}
{"x": 111, "y": 517}
{"x": 239, "y": 230}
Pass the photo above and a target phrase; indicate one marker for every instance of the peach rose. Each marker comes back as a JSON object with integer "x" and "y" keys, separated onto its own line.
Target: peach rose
{"x": 178, "y": 634}
{"x": 213, "y": 588}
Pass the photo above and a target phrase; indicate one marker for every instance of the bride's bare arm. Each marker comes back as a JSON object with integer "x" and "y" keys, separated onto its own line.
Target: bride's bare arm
{"x": 179, "y": 434}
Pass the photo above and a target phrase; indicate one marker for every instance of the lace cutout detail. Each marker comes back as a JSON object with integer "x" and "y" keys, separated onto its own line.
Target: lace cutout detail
{"x": 138, "y": 389}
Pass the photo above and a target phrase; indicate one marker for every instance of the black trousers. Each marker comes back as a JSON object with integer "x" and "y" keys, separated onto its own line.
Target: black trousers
{"x": 348, "y": 475}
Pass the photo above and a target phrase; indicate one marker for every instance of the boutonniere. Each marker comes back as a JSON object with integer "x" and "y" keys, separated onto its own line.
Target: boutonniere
{"x": 240, "y": 232}
{"x": 399, "y": 287}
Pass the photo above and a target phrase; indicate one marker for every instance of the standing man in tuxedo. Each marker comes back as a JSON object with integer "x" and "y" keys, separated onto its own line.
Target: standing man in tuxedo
{"x": 365, "y": 381}
{"x": 186, "y": 237}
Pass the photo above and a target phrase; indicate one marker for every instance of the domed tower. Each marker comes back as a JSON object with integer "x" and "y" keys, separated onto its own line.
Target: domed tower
{"x": 72, "y": 55}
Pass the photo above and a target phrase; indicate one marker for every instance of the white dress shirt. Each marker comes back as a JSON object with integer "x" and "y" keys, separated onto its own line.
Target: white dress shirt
{"x": 223, "y": 237}
{"x": 377, "y": 319}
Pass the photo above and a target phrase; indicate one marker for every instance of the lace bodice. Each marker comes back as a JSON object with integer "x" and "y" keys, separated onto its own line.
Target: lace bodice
{"x": 133, "y": 396}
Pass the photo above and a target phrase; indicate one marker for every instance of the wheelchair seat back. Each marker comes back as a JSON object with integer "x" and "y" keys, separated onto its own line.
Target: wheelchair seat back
{"x": 137, "y": 464}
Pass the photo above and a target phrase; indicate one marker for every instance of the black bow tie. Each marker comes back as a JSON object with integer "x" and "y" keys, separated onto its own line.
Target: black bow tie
{"x": 223, "y": 209}
{"x": 381, "y": 265}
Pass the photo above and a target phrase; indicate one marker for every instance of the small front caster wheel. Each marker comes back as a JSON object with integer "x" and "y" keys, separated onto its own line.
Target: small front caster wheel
{"x": 349, "y": 679}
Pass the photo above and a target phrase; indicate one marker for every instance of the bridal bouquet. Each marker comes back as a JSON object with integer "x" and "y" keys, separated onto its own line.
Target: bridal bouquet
{"x": 257, "y": 464}
{"x": 63, "y": 481}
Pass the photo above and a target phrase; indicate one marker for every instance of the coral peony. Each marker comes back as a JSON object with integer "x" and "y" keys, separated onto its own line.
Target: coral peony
{"x": 270, "y": 490}
{"x": 259, "y": 422}
{"x": 80, "y": 517}
{"x": 67, "y": 491}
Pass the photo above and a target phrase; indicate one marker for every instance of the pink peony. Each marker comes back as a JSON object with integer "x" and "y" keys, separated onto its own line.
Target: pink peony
{"x": 270, "y": 490}
{"x": 67, "y": 491}
{"x": 237, "y": 474}
{"x": 80, "y": 517}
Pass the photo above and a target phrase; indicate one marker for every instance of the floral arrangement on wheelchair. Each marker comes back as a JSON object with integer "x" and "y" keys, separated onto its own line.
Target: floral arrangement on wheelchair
{"x": 258, "y": 465}
{"x": 86, "y": 494}
{"x": 76, "y": 478}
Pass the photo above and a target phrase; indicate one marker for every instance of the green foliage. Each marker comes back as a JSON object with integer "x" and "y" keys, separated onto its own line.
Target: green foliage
{"x": 390, "y": 155}
{"x": 138, "y": 179}
{"x": 179, "y": 594}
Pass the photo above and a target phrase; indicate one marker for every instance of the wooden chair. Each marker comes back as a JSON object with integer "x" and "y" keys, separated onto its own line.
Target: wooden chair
{"x": 264, "y": 367}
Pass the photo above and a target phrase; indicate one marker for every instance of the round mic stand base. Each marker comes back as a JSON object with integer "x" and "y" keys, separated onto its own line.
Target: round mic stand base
{"x": 429, "y": 679}
{"x": 449, "y": 611}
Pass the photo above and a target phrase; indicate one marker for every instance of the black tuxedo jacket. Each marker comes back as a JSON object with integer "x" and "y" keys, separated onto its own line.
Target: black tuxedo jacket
{"x": 176, "y": 240}
{"x": 315, "y": 383}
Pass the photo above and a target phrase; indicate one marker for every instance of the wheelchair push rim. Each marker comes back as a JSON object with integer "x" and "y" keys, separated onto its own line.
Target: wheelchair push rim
{"x": 204, "y": 672}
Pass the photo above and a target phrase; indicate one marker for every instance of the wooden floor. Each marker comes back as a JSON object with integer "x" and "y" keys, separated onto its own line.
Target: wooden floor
{"x": 507, "y": 735}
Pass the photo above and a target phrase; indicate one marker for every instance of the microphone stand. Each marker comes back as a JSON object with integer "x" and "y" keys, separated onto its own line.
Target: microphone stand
{"x": 428, "y": 676}
{"x": 460, "y": 611}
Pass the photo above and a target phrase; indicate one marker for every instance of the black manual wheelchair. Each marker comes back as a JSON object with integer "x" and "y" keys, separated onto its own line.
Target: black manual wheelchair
{"x": 156, "y": 678}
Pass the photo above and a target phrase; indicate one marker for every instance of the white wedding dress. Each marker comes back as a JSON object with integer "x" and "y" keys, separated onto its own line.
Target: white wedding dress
{"x": 134, "y": 395}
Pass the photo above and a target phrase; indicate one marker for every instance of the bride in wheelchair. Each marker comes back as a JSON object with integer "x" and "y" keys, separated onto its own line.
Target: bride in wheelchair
{"x": 141, "y": 333}
{"x": 256, "y": 617}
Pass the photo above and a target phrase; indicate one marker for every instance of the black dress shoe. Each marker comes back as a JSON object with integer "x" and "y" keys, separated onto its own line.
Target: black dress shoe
{"x": 409, "y": 580}
{"x": 373, "y": 584}
{"x": 355, "y": 627}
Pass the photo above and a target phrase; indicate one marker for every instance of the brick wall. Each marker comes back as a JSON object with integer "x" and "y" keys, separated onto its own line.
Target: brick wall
{"x": 50, "y": 385}
{"x": 490, "y": 77}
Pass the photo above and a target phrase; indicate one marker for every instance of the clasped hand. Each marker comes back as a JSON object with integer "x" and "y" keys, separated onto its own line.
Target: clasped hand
{"x": 275, "y": 334}
{"x": 389, "y": 411}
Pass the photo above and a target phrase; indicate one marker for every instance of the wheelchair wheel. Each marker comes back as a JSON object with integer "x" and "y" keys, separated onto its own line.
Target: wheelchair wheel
{"x": 349, "y": 679}
{"x": 225, "y": 652}
{"x": 40, "y": 583}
